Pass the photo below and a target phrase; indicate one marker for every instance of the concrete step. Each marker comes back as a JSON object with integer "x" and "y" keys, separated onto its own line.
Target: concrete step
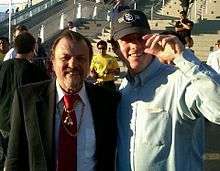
{"x": 161, "y": 24}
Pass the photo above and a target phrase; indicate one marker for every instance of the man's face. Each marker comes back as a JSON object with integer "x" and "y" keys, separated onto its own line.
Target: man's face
{"x": 1, "y": 46}
{"x": 102, "y": 49}
{"x": 4, "y": 46}
{"x": 71, "y": 64}
{"x": 217, "y": 45}
{"x": 18, "y": 32}
{"x": 132, "y": 52}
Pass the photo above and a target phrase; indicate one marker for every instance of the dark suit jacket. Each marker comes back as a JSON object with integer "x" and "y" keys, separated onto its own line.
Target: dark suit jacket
{"x": 13, "y": 74}
{"x": 31, "y": 142}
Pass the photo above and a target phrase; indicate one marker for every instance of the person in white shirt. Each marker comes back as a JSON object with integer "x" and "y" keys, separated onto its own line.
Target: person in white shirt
{"x": 11, "y": 54}
{"x": 71, "y": 26}
{"x": 214, "y": 58}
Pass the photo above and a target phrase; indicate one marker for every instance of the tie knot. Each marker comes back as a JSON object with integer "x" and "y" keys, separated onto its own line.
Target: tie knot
{"x": 70, "y": 100}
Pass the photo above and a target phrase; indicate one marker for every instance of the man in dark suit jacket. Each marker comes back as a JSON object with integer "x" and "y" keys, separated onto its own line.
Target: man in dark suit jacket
{"x": 33, "y": 142}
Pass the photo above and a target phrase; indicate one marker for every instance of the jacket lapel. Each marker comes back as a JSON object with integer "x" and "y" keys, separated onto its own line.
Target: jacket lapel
{"x": 92, "y": 95}
{"x": 47, "y": 107}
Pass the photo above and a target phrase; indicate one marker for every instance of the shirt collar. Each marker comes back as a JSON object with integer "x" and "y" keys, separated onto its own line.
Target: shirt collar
{"x": 149, "y": 72}
{"x": 60, "y": 93}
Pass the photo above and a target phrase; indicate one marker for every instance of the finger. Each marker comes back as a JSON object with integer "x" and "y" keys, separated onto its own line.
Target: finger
{"x": 147, "y": 36}
{"x": 168, "y": 41}
{"x": 156, "y": 43}
{"x": 150, "y": 40}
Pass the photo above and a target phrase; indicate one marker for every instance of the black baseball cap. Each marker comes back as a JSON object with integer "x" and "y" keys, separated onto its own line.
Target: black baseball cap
{"x": 129, "y": 21}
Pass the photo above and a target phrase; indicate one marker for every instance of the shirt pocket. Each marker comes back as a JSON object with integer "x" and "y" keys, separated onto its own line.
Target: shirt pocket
{"x": 90, "y": 144}
{"x": 155, "y": 131}
{"x": 157, "y": 127}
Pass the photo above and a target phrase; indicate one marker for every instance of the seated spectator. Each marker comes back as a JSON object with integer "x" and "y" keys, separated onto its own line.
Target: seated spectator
{"x": 214, "y": 58}
{"x": 13, "y": 74}
{"x": 71, "y": 26}
{"x": 104, "y": 67}
{"x": 17, "y": 9}
{"x": 18, "y": 30}
{"x": 184, "y": 26}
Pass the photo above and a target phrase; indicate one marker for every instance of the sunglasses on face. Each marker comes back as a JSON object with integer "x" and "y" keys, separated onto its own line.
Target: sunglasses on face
{"x": 102, "y": 48}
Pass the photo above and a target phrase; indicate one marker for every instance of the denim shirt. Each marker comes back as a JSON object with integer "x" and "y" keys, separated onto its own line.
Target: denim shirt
{"x": 160, "y": 116}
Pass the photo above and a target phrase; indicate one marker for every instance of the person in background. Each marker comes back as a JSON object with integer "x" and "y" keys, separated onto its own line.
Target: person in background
{"x": 162, "y": 107}
{"x": 11, "y": 54}
{"x": 185, "y": 5}
{"x": 64, "y": 124}
{"x": 211, "y": 49}
{"x": 189, "y": 43}
{"x": 4, "y": 47}
{"x": 13, "y": 74}
{"x": 213, "y": 59}
{"x": 119, "y": 5}
{"x": 104, "y": 67}
{"x": 17, "y": 9}
{"x": 71, "y": 26}
{"x": 184, "y": 26}
{"x": 40, "y": 58}
{"x": 40, "y": 52}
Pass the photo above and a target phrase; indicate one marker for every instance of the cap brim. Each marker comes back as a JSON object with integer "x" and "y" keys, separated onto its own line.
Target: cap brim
{"x": 130, "y": 30}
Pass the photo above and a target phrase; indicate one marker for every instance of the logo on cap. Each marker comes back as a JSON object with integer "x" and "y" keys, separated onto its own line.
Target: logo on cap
{"x": 129, "y": 18}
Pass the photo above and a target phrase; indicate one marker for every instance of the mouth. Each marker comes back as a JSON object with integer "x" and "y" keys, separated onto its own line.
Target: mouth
{"x": 73, "y": 72}
{"x": 135, "y": 55}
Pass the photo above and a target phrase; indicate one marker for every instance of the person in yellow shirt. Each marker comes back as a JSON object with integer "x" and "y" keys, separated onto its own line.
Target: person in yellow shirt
{"x": 104, "y": 67}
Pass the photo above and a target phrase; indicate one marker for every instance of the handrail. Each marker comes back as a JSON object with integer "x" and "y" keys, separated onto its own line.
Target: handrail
{"x": 30, "y": 11}
{"x": 196, "y": 10}
{"x": 160, "y": 2}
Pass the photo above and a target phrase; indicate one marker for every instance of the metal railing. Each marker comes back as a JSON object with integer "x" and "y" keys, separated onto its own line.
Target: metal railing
{"x": 198, "y": 9}
{"x": 30, "y": 11}
{"x": 159, "y": 4}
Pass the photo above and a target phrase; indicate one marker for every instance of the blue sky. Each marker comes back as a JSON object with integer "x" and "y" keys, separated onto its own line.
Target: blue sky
{"x": 4, "y": 4}
{"x": 3, "y": 8}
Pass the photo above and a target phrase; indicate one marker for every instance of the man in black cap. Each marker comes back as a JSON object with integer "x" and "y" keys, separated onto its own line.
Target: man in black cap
{"x": 158, "y": 115}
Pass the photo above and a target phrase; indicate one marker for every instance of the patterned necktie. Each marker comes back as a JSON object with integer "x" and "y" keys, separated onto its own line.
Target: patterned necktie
{"x": 67, "y": 147}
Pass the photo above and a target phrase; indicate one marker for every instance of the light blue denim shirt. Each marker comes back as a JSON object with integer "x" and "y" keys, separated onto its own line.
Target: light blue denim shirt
{"x": 160, "y": 116}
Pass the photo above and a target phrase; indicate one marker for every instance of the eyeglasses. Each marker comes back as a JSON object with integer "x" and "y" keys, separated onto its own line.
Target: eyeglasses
{"x": 102, "y": 48}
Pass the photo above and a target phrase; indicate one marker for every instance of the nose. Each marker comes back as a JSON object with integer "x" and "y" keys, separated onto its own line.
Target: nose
{"x": 72, "y": 62}
{"x": 136, "y": 44}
